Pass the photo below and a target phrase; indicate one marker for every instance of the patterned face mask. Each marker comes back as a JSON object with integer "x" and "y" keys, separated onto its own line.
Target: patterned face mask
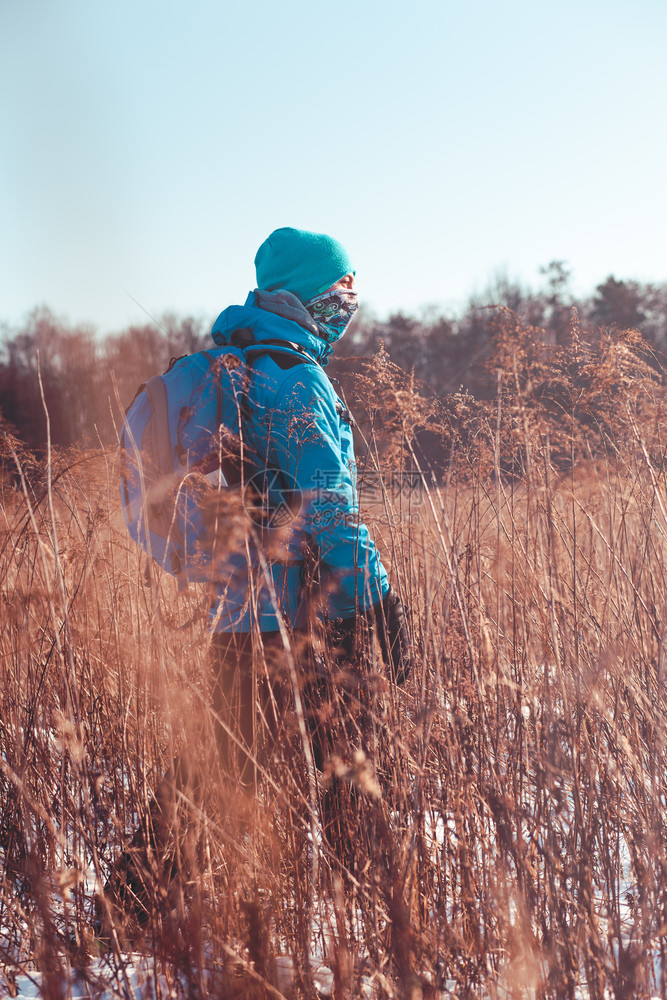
{"x": 332, "y": 312}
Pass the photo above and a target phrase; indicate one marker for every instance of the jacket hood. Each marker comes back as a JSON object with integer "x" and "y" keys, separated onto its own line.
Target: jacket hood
{"x": 278, "y": 315}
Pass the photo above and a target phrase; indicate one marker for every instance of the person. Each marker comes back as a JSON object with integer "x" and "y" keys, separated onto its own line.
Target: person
{"x": 305, "y": 566}
{"x": 297, "y": 434}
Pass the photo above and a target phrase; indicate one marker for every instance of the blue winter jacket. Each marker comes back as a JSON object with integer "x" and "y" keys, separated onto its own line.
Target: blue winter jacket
{"x": 295, "y": 424}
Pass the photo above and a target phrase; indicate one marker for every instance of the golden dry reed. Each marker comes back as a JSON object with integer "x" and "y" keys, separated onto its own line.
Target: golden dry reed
{"x": 500, "y": 818}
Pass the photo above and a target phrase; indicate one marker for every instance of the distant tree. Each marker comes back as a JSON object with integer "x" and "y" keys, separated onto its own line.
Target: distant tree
{"x": 184, "y": 335}
{"x": 501, "y": 291}
{"x": 653, "y": 306}
{"x": 617, "y": 303}
{"x": 556, "y": 302}
{"x": 133, "y": 356}
{"x": 404, "y": 339}
{"x": 63, "y": 358}
{"x": 441, "y": 355}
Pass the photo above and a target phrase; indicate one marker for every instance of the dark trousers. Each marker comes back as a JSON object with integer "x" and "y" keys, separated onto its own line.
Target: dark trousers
{"x": 253, "y": 701}
{"x": 249, "y": 698}
{"x": 253, "y": 697}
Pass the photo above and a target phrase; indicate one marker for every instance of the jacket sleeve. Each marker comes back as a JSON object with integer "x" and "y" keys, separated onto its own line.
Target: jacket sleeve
{"x": 315, "y": 449}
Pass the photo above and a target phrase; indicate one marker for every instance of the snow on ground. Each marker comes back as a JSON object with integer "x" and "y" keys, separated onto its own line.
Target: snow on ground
{"x": 136, "y": 979}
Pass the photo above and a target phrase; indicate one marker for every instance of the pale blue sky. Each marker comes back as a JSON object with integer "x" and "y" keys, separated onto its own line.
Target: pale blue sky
{"x": 149, "y": 147}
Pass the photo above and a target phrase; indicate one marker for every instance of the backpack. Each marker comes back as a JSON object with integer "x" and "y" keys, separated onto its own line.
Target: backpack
{"x": 182, "y": 437}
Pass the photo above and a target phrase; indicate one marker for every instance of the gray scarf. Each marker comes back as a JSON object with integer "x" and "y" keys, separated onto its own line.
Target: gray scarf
{"x": 287, "y": 305}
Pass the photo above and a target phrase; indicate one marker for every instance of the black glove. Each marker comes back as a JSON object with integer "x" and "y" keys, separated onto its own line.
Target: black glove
{"x": 391, "y": 622}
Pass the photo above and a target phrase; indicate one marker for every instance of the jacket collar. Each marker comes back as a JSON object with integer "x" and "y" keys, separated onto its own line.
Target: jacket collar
{"x": 269, "y": 316}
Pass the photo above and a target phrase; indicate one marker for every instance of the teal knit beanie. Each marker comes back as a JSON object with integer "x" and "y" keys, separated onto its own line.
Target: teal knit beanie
{"x": 304, "y": 263}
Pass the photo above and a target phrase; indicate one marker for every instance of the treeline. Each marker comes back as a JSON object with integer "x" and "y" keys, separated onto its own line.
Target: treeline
{"x": 449, "y": 353}
{"x": 84, "y": 382}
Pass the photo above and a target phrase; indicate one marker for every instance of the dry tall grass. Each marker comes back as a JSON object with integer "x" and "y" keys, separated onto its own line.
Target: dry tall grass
{"x": 505, "y": 809}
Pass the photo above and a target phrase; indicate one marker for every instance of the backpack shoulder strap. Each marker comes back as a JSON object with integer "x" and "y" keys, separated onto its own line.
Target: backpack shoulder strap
{"x": 218, "y": 389}
{"x": 156, "y": 391}
{"x": 277, "y": 348}
{"x": 285, "y": 353}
